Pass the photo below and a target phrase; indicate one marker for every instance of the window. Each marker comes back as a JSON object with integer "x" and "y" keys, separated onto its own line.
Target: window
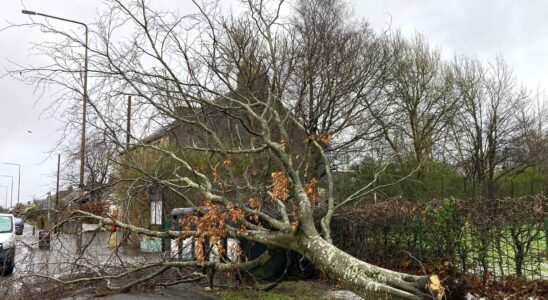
{"x": 156, "y": 212}
{"x": 6, "y": 224}
{"x": 156, "y": 207}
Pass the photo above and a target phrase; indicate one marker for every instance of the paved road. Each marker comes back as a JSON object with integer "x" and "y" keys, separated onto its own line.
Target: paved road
{"x": 60, "y": 258}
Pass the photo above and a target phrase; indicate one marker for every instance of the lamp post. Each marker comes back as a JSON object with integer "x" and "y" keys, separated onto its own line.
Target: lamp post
{"x": 11, "y": 194}
{"x": 84, "y": 105}
{"x": 18, "y": 179}
{"x": 3, "y": 186}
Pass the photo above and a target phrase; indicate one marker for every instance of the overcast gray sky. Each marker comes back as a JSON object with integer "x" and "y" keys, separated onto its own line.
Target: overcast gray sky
{"x": 518, "y": 30}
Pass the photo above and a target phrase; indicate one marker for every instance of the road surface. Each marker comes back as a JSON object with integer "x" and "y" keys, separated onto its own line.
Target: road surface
{"x": 59, "y": 260}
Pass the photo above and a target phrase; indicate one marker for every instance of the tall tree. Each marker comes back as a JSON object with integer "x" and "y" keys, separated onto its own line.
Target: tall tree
{"x": 418, "y": 103}
{"x": 339, "y": 64}
{"x": 486, "y": 121}
{"x": 530, "y": 144}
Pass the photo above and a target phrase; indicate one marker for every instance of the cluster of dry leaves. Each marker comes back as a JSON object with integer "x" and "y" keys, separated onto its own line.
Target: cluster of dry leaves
{"x": 210, "y": 226}
{"x": 280, "y": 186}
{"x": 323, "y": 139}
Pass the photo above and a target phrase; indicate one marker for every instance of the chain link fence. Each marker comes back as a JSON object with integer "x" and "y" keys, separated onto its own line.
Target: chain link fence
{"x": 491, "y": 239}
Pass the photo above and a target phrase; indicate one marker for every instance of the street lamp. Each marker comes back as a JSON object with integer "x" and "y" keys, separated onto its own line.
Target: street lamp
{"x": 83, "y": 141}
{"x": 11, "y": 201}
{"x": 18, "y": 180}
{"x": 3, "y": 186}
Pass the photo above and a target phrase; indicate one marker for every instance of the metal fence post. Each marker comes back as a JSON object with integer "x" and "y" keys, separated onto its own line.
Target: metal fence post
{"x": 546, "y": 232}
{"x": 442, "y": 189}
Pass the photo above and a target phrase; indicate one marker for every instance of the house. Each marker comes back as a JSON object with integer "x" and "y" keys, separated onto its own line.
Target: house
{"x": 150, "y": 206}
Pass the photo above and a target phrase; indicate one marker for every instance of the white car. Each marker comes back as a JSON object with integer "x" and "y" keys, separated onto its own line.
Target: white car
{"x": 7, "y": 244}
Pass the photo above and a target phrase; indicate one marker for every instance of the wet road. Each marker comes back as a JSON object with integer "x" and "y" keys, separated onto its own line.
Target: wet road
{"x": 63, "y": 256}
{"x": 62, "y": 259}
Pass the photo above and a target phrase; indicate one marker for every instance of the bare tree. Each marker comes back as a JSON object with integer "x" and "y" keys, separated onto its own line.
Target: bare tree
{"x": 99, "y": 164}
{"x": 418, "y": 104}
{"x": 339, "y": 64}
{"x": 487, "y": 121}
{"x": 530, "y": 143}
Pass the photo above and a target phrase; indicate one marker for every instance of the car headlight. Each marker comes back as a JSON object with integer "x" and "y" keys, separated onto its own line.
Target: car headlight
{"x": 8, "y": 244}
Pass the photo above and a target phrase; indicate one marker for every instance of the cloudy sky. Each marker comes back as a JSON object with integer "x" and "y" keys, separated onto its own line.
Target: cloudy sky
{"x": 518, "y": 30}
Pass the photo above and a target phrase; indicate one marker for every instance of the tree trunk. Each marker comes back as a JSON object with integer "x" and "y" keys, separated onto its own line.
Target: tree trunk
{"x": 366, "y": 280}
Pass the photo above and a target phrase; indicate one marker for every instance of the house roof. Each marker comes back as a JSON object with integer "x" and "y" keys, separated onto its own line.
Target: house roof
{"x": 251, "y": 79}
{"x": 159, "y": 133}
{"x": 226, "y": 122}
{"x": 70, "y": 197}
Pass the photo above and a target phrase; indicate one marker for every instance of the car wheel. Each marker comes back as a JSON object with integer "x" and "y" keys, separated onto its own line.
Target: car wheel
{"x": 8, "y": 270}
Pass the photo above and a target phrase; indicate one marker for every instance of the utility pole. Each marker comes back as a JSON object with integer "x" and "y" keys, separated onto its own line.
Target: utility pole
{"x": 57, "y": 187}
{"x": 56, "y": 205}
{"x": 49, "y": 209}
{"x": 128, "y": 128}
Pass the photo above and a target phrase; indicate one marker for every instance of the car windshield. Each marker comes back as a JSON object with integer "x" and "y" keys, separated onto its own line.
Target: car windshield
{"x": 5, "y": 224}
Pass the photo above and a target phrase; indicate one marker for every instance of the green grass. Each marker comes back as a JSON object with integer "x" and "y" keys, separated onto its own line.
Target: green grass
{"x": 287, "y": 290}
